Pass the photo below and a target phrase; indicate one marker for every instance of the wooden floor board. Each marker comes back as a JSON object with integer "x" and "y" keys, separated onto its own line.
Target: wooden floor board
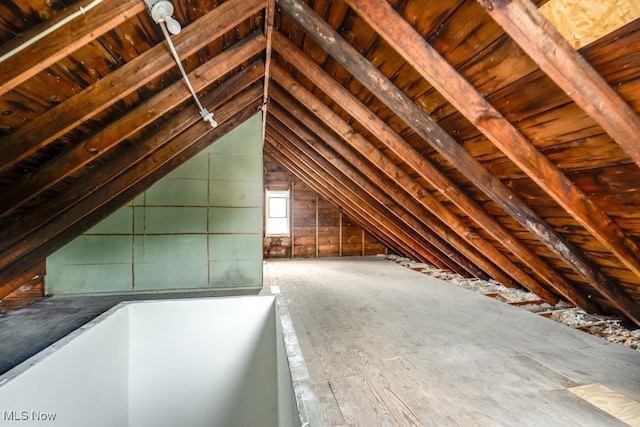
{"x": 395, "y": 347}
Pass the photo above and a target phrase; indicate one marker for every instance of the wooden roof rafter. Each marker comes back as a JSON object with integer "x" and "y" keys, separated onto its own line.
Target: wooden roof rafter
{"x": 367, "y": 180}
{"x": 511, "y": 142}
{"x": 568, "y": 69}
{"x": 130, "y": 166}
{"x": 432, "y": 64}
{"x": 59, "y": 43}
{"x": 426, "y": 170}
{"x": 414, "y": 198}
{"x": 117, "y": 85}
{"x": 334, "y": 190}
{"x": 73, "y": 160}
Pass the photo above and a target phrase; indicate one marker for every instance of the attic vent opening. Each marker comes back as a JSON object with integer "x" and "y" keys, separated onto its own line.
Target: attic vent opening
{"x": 161, "y": 11}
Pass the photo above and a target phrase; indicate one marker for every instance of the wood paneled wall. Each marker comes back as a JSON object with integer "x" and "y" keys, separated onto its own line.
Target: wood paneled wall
{"x": 319, "y": 228}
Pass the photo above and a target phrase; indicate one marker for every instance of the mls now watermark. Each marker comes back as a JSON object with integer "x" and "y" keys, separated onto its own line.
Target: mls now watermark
{"x": 28, "y": 416}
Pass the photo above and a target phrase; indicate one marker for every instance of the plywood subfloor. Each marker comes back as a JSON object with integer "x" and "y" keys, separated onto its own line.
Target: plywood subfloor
{"x": 387, "y": 346}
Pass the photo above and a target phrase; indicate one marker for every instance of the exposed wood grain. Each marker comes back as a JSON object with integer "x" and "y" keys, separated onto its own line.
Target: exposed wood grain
{"x": 35, "y": 274}
{"x": 442, "y": 141}
{"x": 612, "y": 402}
{"x": 62, "y": 42}
{"x": 390, "y": 349}
{"x": 583, "y": 21}
{"x": 555, "y": 56}
{"x": 422, "y": 166}
{"x": 318, "y": 187}
{"x": 345, "y": 157}
{"x": 122, "y": 82}
{"x": 334, "y": 190}
{"x": 71, "y": 161}
{"x": 340, "y": 191}
{"x": 415, "y": 199}
{"x": 431, "y": 64}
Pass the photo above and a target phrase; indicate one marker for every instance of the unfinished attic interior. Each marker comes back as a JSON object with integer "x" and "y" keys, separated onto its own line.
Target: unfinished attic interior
{"x": 201, "y": 150}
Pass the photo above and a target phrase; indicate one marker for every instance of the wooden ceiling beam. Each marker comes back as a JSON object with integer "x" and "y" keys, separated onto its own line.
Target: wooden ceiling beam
{"x": 73, "y": 160}
{"x": 103, "y": 183}
{"x": 398, "y": 102}
{"x": 423, "y": 167}
{"x": 44, "y": 51}
{"x": 390, "y": 241}
{"x": 117, "y": 85}
{"x": 270, "y": 12}
{"x": 124, "y": 190}
{"x": 414, "y": 198}
{"x": 435, "y": 69}
{"x": 345, "y": 196}
{"x": 568, "y": 69}
{"x": 370, "y": 182}
{"x": 415, "y": 193}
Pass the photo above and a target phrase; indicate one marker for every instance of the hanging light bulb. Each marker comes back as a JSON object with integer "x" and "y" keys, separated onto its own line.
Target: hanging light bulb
{"x": 161, "y": 11}
{"x": 173, "y": 25}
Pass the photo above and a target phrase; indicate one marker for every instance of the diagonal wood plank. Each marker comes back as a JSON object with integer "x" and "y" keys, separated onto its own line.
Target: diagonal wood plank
{"x": 416, "y": 198}
{"x": 120, "y": 83}
{"x": 434, "y": 230}
{"x": 564, "y": 65}
{"x": 47, "y": 50}
{"x": 71, "y": 161}
{"x": 427, "y": 171}
{"x": 433, "y": 67}
{"x": 370, "y": 77}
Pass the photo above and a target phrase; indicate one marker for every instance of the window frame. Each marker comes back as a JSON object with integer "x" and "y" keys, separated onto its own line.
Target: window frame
{"x": 277, "y": 194}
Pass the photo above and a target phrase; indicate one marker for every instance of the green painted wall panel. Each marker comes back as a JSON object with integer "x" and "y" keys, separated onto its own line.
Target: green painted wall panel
{"x": 235, "y": 220}
{"x": 174, "y": 220}
{"x": 200, "y": 227}
{"x": 170, "y": 262}
{"x": 180, "y": 191}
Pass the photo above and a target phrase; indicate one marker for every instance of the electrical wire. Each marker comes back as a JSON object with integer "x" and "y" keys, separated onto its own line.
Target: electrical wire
{"x": 204, "y": 113}
{"x": 49, "y": 30}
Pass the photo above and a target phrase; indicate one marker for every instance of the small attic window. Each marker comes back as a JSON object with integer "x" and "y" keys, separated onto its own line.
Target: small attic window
{"x": 277, "y": 213}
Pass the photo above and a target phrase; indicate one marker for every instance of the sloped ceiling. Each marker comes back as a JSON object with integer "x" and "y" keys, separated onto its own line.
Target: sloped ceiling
{"x": 465, "y": 133}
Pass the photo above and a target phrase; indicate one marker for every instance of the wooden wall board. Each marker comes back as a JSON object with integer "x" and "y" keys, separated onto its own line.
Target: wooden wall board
{"x": 332, "y": 234}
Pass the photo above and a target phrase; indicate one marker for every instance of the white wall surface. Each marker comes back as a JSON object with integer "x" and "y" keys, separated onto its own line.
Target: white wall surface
{"x": 80, "y": 381}
{"x": 207, "y": 362}
{"x": 203, "y": 363}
